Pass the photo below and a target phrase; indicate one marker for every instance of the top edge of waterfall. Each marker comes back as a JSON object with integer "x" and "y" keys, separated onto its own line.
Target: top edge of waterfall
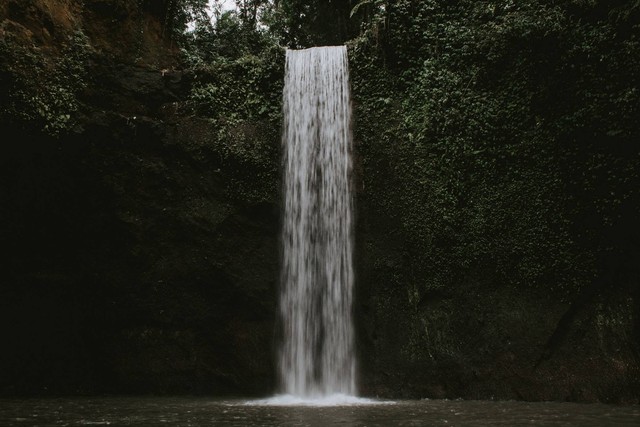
{"x": 317, "y": 47}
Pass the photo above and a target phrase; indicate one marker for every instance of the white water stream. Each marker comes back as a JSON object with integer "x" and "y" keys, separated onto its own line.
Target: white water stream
{"x": 316, "y": 358}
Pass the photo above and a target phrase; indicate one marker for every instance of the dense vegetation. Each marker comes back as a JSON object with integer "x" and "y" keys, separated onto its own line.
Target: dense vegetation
{"x": 510, "y": 128}
{"x": 502, "y": 138}
{"x": 514, "y": 134}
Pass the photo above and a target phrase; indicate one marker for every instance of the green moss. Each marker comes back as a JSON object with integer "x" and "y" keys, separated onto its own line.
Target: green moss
{"x": 242, "y": 99}
{"x": 489, "y": 146}
{"x": 44, "y": 91}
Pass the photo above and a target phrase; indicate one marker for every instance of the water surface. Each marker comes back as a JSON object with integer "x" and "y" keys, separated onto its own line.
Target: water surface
{"x": 136, "y": 411}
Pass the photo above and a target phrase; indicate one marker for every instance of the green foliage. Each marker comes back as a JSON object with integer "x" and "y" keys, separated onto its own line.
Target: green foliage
{"x": 230, "y": 38}
{"x": 43, "y": 92}
{"x": 303, "y": 23}
{"x": 221, "y": 93}
{"x": 241, "y": 97}
{"x": 179, "y": 13}
{"x": 237, "y": 73}
{"x": 501, "y": 136}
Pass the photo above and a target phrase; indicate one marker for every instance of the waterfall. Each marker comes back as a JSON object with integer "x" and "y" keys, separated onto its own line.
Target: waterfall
{"x": 317, "y": 353}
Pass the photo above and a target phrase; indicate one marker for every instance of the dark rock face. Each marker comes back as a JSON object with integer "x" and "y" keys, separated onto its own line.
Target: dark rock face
{"x": 128, "y": 265}
{"x": 483, "y": 336}
{"x": 477, "y": 341}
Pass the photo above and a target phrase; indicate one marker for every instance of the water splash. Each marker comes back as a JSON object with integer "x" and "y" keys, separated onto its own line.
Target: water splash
{"x": 317, "y": 354}
{"x": 329, "y": 400}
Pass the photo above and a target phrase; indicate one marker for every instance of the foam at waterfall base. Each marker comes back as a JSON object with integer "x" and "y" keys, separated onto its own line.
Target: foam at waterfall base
{"x": 337, "y": 399}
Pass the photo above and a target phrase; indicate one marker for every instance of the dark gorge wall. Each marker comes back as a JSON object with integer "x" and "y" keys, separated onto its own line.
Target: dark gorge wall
{"x": 497, "y": 200}
{"x": 139, "y": 240}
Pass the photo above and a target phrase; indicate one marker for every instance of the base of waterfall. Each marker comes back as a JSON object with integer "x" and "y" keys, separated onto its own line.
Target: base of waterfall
{"x": 337, "y": 399}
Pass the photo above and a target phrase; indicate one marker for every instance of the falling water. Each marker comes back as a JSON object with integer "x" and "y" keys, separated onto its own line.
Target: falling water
{"x": 317, "y": 354}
